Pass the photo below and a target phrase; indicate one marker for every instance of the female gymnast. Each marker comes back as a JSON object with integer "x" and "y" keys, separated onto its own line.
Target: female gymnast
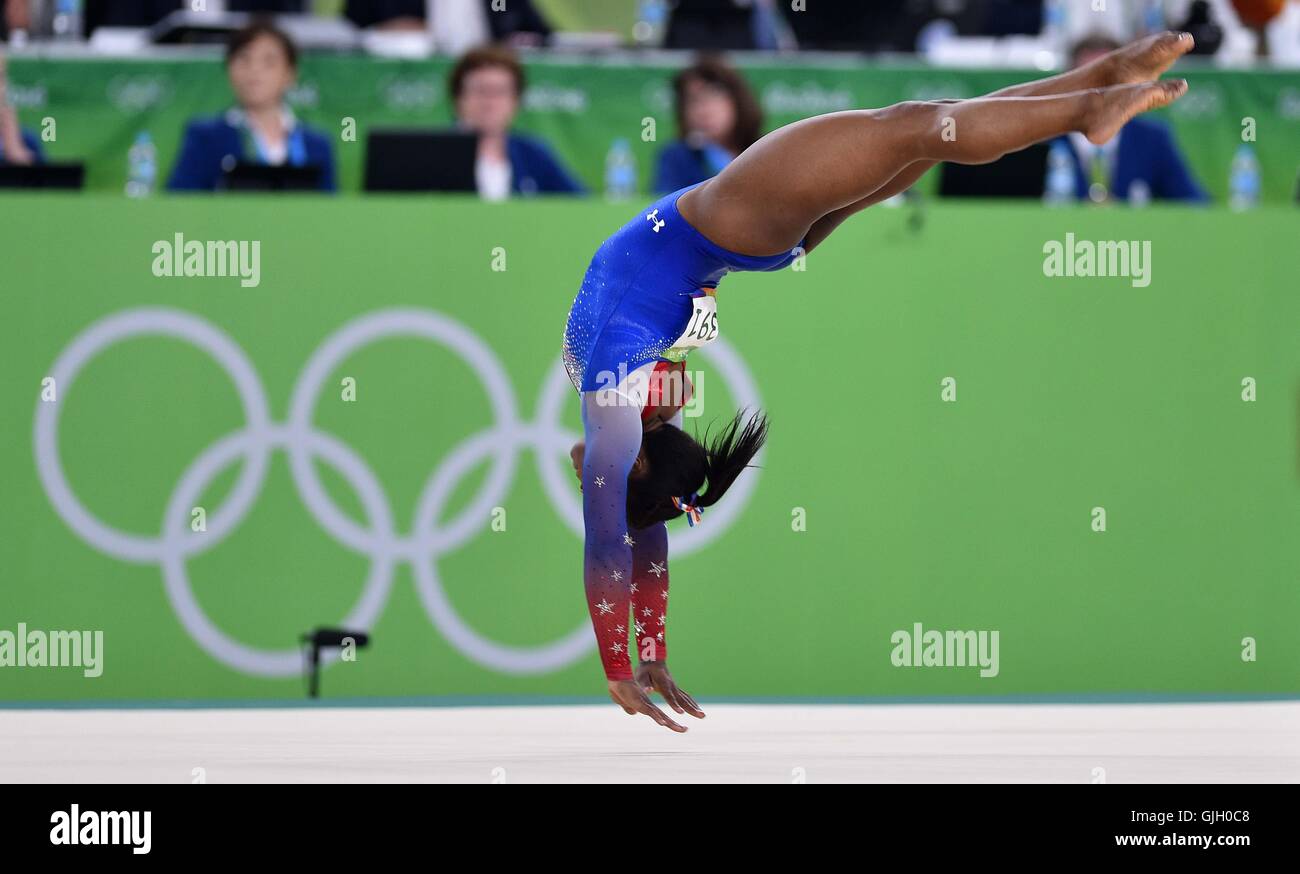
{"x": 648, "y": 299}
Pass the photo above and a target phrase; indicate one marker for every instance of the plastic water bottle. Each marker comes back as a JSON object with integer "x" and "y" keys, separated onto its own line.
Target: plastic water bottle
{"x": 67, "y": 20}
{"x": 1153, "y": 16}
{"x": 1054, "y": 23}
{"x": 141, "y": 166}
{"x": 620, "y": 171}
{"x": 1243, "y": 179}
{"x": 934, "y": 36}
{"x": 1139, "y": 193}
{"x": 651, "y": 22}
{"x": 1058, "y": 188}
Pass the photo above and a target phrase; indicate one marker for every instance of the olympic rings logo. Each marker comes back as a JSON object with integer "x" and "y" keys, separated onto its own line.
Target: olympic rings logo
{"x": 379, "y": 539}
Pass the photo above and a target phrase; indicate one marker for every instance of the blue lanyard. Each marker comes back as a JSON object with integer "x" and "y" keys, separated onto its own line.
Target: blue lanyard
{"x": 296, "y": 154}
{"x": 716, "y": 158}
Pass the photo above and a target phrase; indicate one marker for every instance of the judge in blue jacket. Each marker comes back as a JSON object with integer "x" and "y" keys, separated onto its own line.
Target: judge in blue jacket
{"x": 486, "y": 85}
{"x": 17, "y": 144}
{"x": 1141, "y": 162}
{"x": 262, "y": 63}
{"x": 24, "y": 149}
{"x": 718, "y": 117}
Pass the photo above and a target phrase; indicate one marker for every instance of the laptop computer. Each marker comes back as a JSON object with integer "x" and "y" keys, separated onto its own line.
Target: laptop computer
{"x": 405, "y": 159}
{"x": 269, "y": 177}
{"x": 1020, "y": 174}
{"x": 70, "y": 174}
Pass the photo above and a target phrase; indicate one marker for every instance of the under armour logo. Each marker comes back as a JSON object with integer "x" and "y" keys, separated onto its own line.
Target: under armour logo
{"x": 653, "y": 216}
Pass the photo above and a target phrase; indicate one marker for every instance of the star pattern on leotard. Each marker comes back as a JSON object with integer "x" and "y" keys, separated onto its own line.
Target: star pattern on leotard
{"x": 600, "y": 482}
{"x": 647, "y": 612}
{"x": 640, "y": 629}
{"x": 657, "y": 569}
{"x": 634, "y": 588}
{"x": 662, "y": 618}
{"x": 605, "y": 607}
{"x": 627, "y": 538}
{"x": 619, "y": 629}
{"x": 616, "y": 648}
{"x": 617, "y": 575}
{"x": 664, "y": 594}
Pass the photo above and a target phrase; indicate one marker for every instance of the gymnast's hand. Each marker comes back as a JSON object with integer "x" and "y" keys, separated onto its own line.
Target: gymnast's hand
{"x": 654, "y": 676}
{"x": 629, "y": 695}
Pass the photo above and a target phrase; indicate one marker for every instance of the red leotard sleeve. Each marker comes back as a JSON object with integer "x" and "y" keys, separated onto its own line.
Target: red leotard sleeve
{"x": 650, "y": 592}
{"x": 613, "y": 438}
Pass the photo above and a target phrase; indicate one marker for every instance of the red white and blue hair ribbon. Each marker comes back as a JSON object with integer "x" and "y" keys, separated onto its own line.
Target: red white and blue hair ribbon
{"x": 690, "y": 508}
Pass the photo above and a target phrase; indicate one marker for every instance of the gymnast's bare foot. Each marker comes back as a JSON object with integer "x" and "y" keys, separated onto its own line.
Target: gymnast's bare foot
{"x": 1144, "y": 60}
{"x": 1115, "y": 106}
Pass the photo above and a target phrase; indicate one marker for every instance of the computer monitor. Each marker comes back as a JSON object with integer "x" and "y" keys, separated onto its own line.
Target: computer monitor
{"x": 1019, "y": 174}
{"x": 420, "y": 160}
{"x": 270, "y": 177}
{"x": 70, "y": 174}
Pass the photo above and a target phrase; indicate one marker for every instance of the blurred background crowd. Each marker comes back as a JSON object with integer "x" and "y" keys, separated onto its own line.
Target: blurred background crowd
{"x": 269, "y": 127}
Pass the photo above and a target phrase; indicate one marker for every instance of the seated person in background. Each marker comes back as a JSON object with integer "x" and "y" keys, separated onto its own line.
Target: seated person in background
{"x": 17, "y": 146}
{"x": 15, "y": 19}
{"x": 485, "y": 86}
{"x": 718, "y": 117}
{"x": 262, "y": 64}
{"x": 1142, "y": 155}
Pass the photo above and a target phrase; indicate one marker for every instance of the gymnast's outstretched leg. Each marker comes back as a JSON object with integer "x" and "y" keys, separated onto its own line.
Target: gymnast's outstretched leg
{"x": 773, "y": 196}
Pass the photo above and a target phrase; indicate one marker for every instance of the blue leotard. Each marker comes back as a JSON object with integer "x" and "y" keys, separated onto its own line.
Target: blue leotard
{"x": 635, "y": 300}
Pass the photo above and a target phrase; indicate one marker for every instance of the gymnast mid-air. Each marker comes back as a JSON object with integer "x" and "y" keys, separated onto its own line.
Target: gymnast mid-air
{"x": 648, "y": 299}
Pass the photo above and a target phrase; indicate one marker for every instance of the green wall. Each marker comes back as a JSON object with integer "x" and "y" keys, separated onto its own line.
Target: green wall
{"x": 1072, "y": 393}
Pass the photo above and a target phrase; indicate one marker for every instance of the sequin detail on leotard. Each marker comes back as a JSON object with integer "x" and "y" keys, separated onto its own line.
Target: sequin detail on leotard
{"x": 635, "y": 300}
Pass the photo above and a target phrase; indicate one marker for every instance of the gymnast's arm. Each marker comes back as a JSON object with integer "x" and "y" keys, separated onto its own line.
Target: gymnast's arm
{"x": 612, "y": 426}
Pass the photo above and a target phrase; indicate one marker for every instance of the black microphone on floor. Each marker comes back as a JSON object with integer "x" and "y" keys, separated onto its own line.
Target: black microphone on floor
{"x": 327, "y": 638}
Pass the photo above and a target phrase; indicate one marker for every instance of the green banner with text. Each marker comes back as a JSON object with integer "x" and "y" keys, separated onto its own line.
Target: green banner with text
{"x": 93, "y": 110}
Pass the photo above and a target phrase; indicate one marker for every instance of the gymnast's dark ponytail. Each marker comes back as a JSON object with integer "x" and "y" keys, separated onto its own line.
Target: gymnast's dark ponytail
{"x": 682, "y": 467}
{"x": 730, "y": 453}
